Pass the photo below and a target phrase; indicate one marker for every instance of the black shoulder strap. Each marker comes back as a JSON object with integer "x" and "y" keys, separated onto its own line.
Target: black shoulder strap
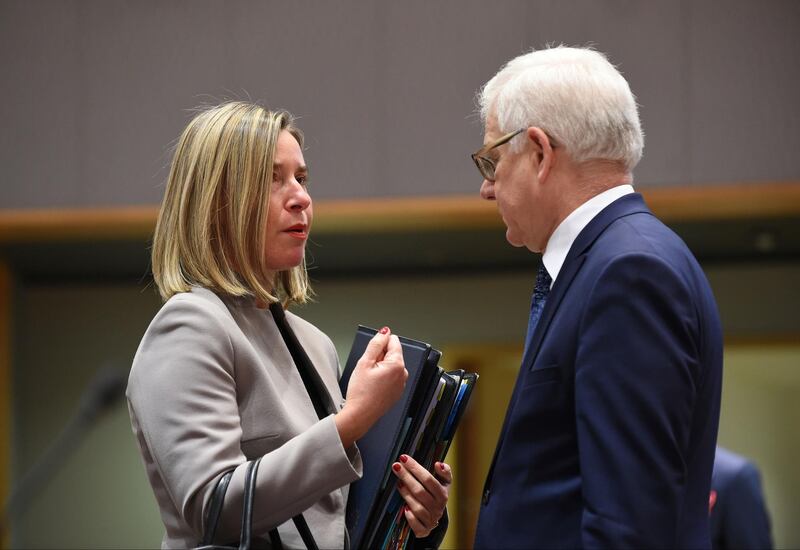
{"x": 247, "y": 505}
{"x": 215, "y": 508}
{"x": 323, "y": 404}
{"x": 320, "y": 397}
{"x": 305, "y": 532}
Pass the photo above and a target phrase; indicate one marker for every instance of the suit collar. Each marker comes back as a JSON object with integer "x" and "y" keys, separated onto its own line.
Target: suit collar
{"x": 624, "y": 206}
{"x": 561, "y": 240}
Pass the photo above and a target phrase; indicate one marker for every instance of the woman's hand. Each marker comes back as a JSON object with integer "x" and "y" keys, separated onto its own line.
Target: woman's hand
{"x": 425, "y": 494}
{"x": 376, "y": 384}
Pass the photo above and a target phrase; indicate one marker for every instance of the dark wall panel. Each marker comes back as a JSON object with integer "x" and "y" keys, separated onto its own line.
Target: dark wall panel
{"x": 94, "y": 92}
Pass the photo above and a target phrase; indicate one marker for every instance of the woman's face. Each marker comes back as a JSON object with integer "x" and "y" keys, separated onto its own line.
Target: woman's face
{"x": 290, "y": 211}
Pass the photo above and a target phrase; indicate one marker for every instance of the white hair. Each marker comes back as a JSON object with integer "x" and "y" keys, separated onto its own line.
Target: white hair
{"x": 575, "y": 95}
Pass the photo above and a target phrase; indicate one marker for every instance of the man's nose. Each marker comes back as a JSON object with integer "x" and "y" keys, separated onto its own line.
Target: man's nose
{"x": 487, "y": 190}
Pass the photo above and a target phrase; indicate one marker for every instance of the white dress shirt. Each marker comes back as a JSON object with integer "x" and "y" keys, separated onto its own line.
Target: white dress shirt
{"x": 568, "y": 230}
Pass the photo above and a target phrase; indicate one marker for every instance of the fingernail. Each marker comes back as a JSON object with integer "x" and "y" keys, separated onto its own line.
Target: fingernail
{"x": 441, "y": 467}
{"x": 385, "y": 330}
{"x": 403, "y": 458}
{"x": 396, "y": 467}
{"x": 400, "y": 485}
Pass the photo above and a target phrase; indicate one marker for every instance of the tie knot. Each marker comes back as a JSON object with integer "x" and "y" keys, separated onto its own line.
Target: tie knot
{"x": 543, "y": 281}
{"x": 540, "y": 292}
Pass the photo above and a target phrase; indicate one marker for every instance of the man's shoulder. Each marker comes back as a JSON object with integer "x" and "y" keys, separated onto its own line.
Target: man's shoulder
{"x": 639, "y": 247}
{"x": 728, "y": 465}
{"x": 641, "y": 233}
{"x": 626, "y": 226}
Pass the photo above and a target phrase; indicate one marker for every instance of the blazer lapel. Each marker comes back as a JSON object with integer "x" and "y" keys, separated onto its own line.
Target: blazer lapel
{"x": 578, "y": 252}
{"x": 553, "y": 300}
{"x": 624, "y": 206}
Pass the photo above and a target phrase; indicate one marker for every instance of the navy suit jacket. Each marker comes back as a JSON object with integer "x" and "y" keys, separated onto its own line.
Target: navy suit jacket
{"x": 609, "y": 437}
{"x": 739, "y": 517}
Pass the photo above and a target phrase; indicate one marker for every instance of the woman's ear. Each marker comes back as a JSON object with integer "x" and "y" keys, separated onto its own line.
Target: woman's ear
{"x": 543, "y": 149}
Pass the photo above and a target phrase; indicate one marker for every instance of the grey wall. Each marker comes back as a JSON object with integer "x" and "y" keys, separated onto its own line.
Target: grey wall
{"x": 94, "y": 91}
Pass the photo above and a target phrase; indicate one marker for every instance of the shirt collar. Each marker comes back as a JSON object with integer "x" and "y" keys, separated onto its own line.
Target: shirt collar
{"x": 568, "y": 230}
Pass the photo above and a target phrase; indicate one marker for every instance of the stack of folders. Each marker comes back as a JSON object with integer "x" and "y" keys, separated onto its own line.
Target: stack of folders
{"x": 421, "y": 424}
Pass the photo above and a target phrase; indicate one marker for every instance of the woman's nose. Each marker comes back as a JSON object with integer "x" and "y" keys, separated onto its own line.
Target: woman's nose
{"x": 300, "y": 199}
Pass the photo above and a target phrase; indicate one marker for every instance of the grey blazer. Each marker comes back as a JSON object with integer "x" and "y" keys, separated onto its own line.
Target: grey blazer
{"x": 213, "y": 385}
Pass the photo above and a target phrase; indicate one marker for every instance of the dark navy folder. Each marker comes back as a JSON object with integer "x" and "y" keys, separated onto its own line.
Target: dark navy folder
{"x": 380, "y": 447}
{"x": 421, "y": 424}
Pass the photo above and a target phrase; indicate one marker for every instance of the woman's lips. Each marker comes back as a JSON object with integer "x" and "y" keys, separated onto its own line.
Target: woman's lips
{"x": 298, "y": 231}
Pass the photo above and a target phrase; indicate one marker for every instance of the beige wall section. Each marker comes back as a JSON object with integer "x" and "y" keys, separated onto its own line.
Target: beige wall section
{"x": 760, "y": 409}
{"x": 6, "y": 393}
{"x": 674, "y": 204}
{"x": 101, "y": 497}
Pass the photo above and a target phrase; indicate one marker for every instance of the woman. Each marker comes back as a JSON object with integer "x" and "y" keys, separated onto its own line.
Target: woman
{"x": 213, "y": 384}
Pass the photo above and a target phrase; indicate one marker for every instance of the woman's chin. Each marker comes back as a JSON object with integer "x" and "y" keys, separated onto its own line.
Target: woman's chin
{"x": 285, "y": 263}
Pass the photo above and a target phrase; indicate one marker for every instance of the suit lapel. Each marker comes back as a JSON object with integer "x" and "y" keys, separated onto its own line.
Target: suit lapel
{"x": 557, "y": 293}
{"x": 624, "y": 206}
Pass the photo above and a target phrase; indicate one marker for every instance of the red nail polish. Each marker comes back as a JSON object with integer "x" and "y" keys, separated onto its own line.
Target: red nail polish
{"x": 384, "y": 330}
{"x": 403, "y": 458}
{"x": 400, "y": 485}
{"x": 396, "y": 467}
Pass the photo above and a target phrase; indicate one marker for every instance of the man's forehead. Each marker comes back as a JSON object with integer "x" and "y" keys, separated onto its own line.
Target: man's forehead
{"x": 491, "y": 131}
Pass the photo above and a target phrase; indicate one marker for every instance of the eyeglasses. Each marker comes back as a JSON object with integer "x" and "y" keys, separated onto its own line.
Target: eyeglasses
{"x": 487, "y": 166}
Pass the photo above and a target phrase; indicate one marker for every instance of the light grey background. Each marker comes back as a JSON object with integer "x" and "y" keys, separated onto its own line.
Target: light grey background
{"x": 93, "y": 92}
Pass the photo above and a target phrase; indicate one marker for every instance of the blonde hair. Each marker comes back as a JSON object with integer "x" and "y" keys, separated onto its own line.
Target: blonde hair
{"x": 211, "y": 227}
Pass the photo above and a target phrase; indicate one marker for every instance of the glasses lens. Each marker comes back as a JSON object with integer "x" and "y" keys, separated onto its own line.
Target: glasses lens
{"x": 486, "y": 167}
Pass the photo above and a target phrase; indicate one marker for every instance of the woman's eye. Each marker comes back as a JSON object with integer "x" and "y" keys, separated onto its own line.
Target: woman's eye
{"x": 302, "y": 180}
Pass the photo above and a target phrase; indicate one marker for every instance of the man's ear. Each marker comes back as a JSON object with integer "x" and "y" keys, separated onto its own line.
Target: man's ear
{"x": 544, "y": 151}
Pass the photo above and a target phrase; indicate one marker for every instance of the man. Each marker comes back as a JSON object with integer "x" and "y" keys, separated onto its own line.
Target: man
{"x": 609, "y": 437}
{"x": 739, "y": 517}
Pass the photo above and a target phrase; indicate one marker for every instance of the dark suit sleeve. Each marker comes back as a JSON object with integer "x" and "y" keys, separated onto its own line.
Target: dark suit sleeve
{"x": 636, "y": 378}
{"x": 745, "y": 522}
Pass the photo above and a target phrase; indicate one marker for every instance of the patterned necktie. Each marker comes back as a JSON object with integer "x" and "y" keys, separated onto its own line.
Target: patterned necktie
{"x": 540, "y": 292}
